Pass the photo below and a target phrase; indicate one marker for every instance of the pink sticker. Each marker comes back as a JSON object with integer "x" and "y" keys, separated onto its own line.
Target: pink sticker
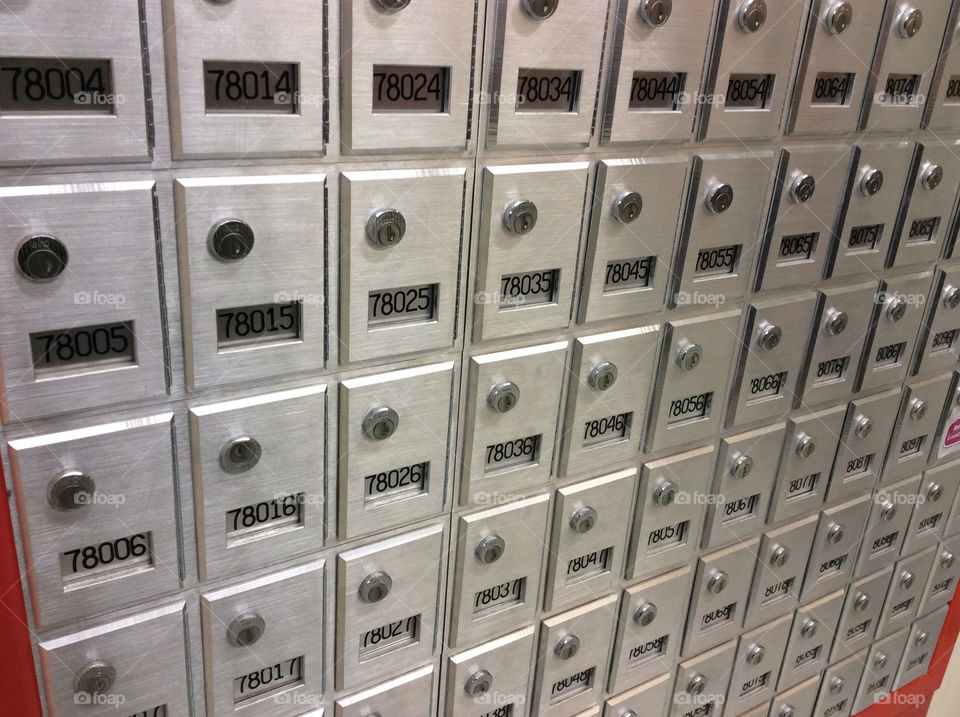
{"x": 952, "y": 435}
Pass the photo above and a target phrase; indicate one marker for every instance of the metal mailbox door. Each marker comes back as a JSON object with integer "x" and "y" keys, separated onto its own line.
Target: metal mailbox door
{"x": 947, "y": 437}
{"x": 701, "y": 684}
{"x": 863, "y": 444}
{"x": 943, "y": 577}
{"x": 906, "y": 588}
{"x": 98, "y": 516}
{"x": 409, "y": 695}
{"x": 395, "y": 447}
{"x": 528, "y": 245}
{"x": 798, "y": 700}
{"x": 544, "y": 68}
{"x": 499, "y": 565}
{"x": 655, "y": 71}
{"x": 650, "y": 695}
{"x": 260, "y": 622}
{"x": 941, "y": 111}
{"x": 861, "y": 613}
{"x": 839, "y": 687}
{"x": 879, "y": 670}
{"x": 610, "y": 379}
{"x": 938, "y": 347}
{"x": 252, "y": 275}
{"x": 924, "y": 634}
{"x": 407, "y": 75}
{"x": 886, "y": 526}
{"x": 938, "y": 489}
{"x": 834, "y": 547}
{"x": 634, "y": 220}
{"x": 387, "y": 595}
{"x": 246, "y": 79}
{"x": 921, "y": 408}
{"x": 493, "y": 676}
{"x": 258, "y": 468}
{"x": 393, "y": 301}
{"x": 87, "y": 330}
{"x": 511, "y": 420}
{"x": 85, "y": 102}
{"x": 756, "y": 665}
{"x": 808, "y": 646}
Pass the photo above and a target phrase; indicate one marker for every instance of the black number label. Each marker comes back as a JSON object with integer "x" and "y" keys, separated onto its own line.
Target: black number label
{"x": 943, "y": 340}
{"x": 629, "y": 273}
{"x": 770, "y": 385}
{"x": 656, "y": 90}
{"x": 865, "y": 238}
{"x": 924, "y": 229}
{"x": 85, "y": 345}
{"x": 251, "y": 87}
{"x": 798, "y": 247}
{"x": 258, "y": 324}
{"x": 41, "y": 84}
{"x": 499, "y": 596}
{"x": 268, "y": 678}
{"x": 889, "y": 354}
{"x": 530, "y": 288}
{"x": 691, "y": 407}
{"x": 399, "y": 88}
{"x": 547, "y": 90}
{"x": 912, "y": 446}
{"x": 390, "y": 636}
{"x": 953, "y": 88}
{"x": 402, "y": 305}
{"x": 900, "y": 90}
{"x": 860, "y": 464}
{"x": 719, "y": 260}
{"x": 749, "y": 92}
{"x": 832, "y": 369}
{"x": 412, "y": 478}
{"x": 99, "y": 555}
{"x": 609, "y": 428}
{"x": 285, "y": 510}
{"x": 832, "y": 88}
{"x": 512, "y": 453}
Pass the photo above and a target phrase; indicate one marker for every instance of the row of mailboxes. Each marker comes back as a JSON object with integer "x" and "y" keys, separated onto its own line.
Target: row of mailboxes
{"x": 255, "y": 79}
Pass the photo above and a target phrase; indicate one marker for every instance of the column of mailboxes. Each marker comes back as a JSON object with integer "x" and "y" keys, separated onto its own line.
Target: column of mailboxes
{"x": 380, "y": 367}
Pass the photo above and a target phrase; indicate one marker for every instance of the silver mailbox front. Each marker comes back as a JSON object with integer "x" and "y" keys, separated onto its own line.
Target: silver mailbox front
{"x": 493, "y": 676}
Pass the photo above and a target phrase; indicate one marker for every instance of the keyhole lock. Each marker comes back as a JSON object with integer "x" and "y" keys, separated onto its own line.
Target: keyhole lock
{"x": 697, "y": 684}
{"x": 910, "y": 22}
{"x": 864, "y": 427}
{"x": 246, "y": 630}
{"x": 951, "y": 297}
{"x": 806, "y": 446}
{"x": 861, "y": 602}
{"x": 779, "y": 556}
{"x": 567, "y": 647}
{"x": 946, "y": 559}
{"x": 835, "y": 533}
{"x": 503, "y": 397}
{"x": 520, "y": 217}
{"x": 94, "y": 679}
{"x": 479, "y": 683}
{"x": 934, "y": 492}
{"x": 385, "y": 228}
{"x": 717, "y": 582}
{"x": 539, "y": 9}
{"x": 240, "y": 454}
{"x": 391, "y": 5}
{"x": 918, "y": 409}
{"x": 753, "y": 13}
{"x": 920, "y": 639}
{"x": 802, "y": 188}
{"x": 906, "y": 580}
{"x": 836, "y": 685}
{"x": 490, "y": 549}
{"x": 70, "y": 490}
{"x": 836, "y": 322}
{"x": 380, "y": 423}
{"x": 809, "y": 628}
{"x": 880, "y": 660}
{"x": 741, "y": 466}
{"x": 375, "y": 587}
{"x": 603, "y": 376}
{"x": 665, "y": 493}
{"x": 871, "y": 181}
{"x": 931, "y": 176}
{"x": 888, "y": 510}
{"x": 719, "y": 198}
{"x": 755, "y": 654}
{"x": 689, "y": 356}
{"x": 583, "y": 519}
{"x": 787, "y": 711}
{"x": 645, "y": 614}
{"x": 656, "y": 12}
{"x": 230, "y": 240}
{"x": 42, "y": 257}
{"x": 769, "y": 336}
{"x": 896, "y": 308}
{"x": 627, "y": 207}
{"x": 838, "y": 18}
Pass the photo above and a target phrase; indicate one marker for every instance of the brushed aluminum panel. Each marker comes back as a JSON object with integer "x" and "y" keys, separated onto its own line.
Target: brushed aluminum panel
{"x": 914, "y": 432}
{"x": 753, "y": 684}
{"x": 650, "y": 695}
{"x": 832, "y": 559}
{"x": 860, "y": 454}
{"x": 917, "y": 656}
{"x": 409, "y": 695}
{"x": 938, "y": 344}
{"x": 879, "y": 670}
{"x": 839, "y": 686}
{"x": 886, "y": 526}
{"x": 858, "y": 623}
{"x": 903, "y": 601}
{"x": 714, "y": 665}
{"x": 942, "y": 582}
{"x": 508, "y": 660}
{"x": 942, "y": 111}
{"x": 807, "y": 656}
{"x": 938, "y": 489}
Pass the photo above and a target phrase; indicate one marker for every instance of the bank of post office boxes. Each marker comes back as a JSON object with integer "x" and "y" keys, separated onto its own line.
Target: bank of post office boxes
{"x": 886, "y": 526}
{"x": 751, "y": 68}
{"x": 393, "y": 302}
{"x": 811, "y": 635}
{"x": 938, "y": 489}
{"x": 634, "y": 219}
{"x": 91, "y": 671}
{"x": 804, "y": 204}
{"x": 701, "y": 684}
{"x": 573, "y": 656}
{"x": 941, "y": 108}
{"x": 876, "y": 184}
{"x": 499, "y": 562}
{"x": 652, "y": 616}
{"x": 835, "y": 546}
{"x": 804, "y": 472}
{"x": 387, "y": 605}
{"x": 691, "y": 382}
{"x": 529, "y": 231}
{"x": 246, "y": 80}
{"x": 781, "y": 562}
{"x": 655, "y": 71}
{"x": 756, "y": 665}
{"x": 863, "y": 443}
{"x": 722, "y": 224}
{"x": 900, "y": 309}
{"x": 259, "y": 466}
{"x": 72, "y": 92}
{"x": 719, "y": 596}
{"x": 904, "y": 65}
{"x": 742, "y": 484}
{"x": 606, "y": 408}
{"x": 922, "y": 639}
{"x": 938, "y": 347}
{"x": 403, "y": 88}
{"x": 774, "y": 341}
{"x": 834, "y": 67}
{"x": 903, "y": 595}
{"x": 493, "y": 676}
{"x": 650, "y": 695}
{"x": 87, "y": 330}
{"x": 942, "y": 582}
{"x": 921, "y": 407}
{"x": 543, "y": 73}
{"x": 840, "y": 329}
{"x": 797, "y": 700}
{"x": 252, "y": 276}
{"x": 669, "y": 512}
{"x": 409, "y": 695}
{"x": 591, "y": 523}
{"x": 879, "y": 670}
{"x": 98, "y": 515}
{"x": 839, "y": 686}
{"x": 395, "y": 447}
{"x": 260, "y": 622}
{"x": 862, "y": 607}
{"x": 511, "y": 420}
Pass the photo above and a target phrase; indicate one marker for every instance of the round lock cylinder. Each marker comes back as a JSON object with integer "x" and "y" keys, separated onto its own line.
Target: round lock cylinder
{"x": 838, "y": 18}
{"x": 920, "y": 638}
{"x": 836, "y": 685}
{"x": 380, "y": 423}
{"x": 94, "y": 679}
{"x": 934, "y": 492}
{"x": 567, "y": 647}
{"x": 520, "y": 217}
{"x": 755, "y": 654}
{"x": 863, "y": 426}
{"x": 806, "y": 446}
{"x": 909, "y": 22}
{"x": 896, "y": 308}
{"x": 835, "y": 533}
{"x": 645, "y": 614}
{"x": 245, "y": 630}
{"x": 918, "y": 409}
{"x": 906, "y": 580}
{"x": 391, "y": 5}
{"x": 42, "y": 257}
{"x": 880, "y": 660}
{"x": 539, "y": 9}
{"x": 835, "y": 322}
{"x": 602, "y": 376}
{"x": 809, "y": 628}
{"x": 951, "y": 297}
{"x": 503, "y": 397}
{"x": 787, "y": 711}
{"x": 656, "y": 12}
{"x": 583, "y": 520}
{"x": 779, "y": 556}
{"x": 719, "y": 198}
{"x": 697, "y": 684}
{"x": 385, "y": 228}
{"x": 240, "y": 454}
{"x": 665, "y": 493}
{"x": 627, "y": 207}
{"x": 946, "y": 559}
{"x": 888, "y": 510}
{"x": 689, "y": 356}
{"x": 931, "y": 175}
{"x": 70, "y": 490}
{"x": 769, "y": 336}
{"x": 861, "y": 602}
{"x": 230, "y": 240}
{"x": 629, "y": 713}
{"x": 490, "y": 549}
{"x": 741, "y": 466}
{"x": 717, "y": 582}
{"x": 479, "y": 683}
{"x": 871, "y": 181}
{"x": 802, "y": 188}
{"x": 752, "y": 14}
{"x": 375, "y": 587}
